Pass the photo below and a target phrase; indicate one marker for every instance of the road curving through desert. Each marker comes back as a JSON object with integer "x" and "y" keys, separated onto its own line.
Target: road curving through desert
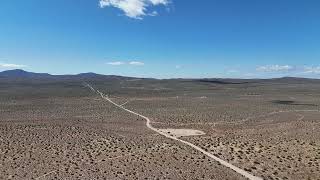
{"x": 148, "y": 124}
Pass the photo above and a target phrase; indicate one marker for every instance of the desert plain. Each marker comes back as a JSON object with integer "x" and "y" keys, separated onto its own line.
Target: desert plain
{"x": 59, "y": 128}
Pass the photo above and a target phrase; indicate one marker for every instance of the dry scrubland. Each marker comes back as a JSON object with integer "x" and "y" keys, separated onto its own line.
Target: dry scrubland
{"x": 61, "y": 130}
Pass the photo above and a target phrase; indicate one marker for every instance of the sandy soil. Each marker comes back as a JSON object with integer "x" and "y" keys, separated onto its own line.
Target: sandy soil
{"x": 182, "y": 132}
{"x": 62, "y": 130}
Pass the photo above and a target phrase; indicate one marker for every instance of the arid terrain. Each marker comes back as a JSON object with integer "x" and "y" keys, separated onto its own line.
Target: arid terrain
{"x": 57, "y": 127}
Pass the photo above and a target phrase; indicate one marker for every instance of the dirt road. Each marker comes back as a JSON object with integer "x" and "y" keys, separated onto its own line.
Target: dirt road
{"x": 148, "y": 124}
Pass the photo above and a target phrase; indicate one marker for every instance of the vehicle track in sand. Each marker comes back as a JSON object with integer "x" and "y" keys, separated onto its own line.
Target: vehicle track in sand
{"x": 148, "y": 124}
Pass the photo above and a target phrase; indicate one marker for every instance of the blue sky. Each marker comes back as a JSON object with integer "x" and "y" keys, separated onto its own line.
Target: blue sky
{"x": 162, "y": 38}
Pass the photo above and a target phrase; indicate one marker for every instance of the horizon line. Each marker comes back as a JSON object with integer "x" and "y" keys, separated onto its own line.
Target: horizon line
{"x": 191, "y": 78}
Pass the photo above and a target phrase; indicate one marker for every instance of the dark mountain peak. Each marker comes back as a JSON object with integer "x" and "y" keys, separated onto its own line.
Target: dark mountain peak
{"x": 19, "y": 73}
{"x": 95, "y": 75}
{"x": 15, "y": 71}
{"x": 22, "y": 74}
{"x": 289, "y": 77}
{"x": 89, "y": 74}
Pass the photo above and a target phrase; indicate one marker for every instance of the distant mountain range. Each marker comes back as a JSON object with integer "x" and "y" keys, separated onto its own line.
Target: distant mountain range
{"x": 21, "y": 74}
{"x": 18, "y": 74}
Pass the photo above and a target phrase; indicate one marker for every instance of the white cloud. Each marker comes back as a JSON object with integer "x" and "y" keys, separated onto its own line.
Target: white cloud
{"x": 178, "y": 66}
{"x": 154, "y": 13}
{"x": 134, "y": 8}
{"x": 312, "y": 70}
{"x": 275, "y": 68}
{"x": 157, "y": 2}
{"x": 136, "y": 63}
{"x": 116, "y": 63}
{"x": 119, "y": 63}
{"x": 10, "y": 66}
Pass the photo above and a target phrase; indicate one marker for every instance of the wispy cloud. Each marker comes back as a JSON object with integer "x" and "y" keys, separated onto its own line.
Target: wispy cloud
{"x": 312, "y": 70}
{"x": 154, "y": 13}
{"x": 115, "y": 63}
{"x": 10, "y": 66}
{"x": 136, "y": 9}
{"x": 119, "y": 63}
{"x": 275, "y": 68}
{"x": 136, "y": 63}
